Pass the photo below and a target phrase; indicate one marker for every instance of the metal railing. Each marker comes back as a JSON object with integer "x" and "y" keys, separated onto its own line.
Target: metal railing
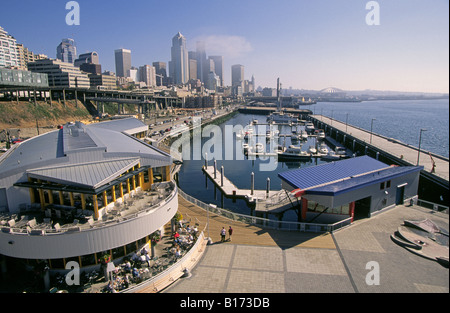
{"x": 433, "y": 206}
{"x": 267, "y": 223}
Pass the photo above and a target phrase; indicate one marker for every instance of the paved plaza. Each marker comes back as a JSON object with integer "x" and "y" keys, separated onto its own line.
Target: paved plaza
{"x": 259, "y": 261}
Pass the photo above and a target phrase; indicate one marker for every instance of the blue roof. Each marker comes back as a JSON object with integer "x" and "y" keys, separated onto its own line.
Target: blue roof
{"x": 306, "y": 178}
{"x": 364, "y": 180}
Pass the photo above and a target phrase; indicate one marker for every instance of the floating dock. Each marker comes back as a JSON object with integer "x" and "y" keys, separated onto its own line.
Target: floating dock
{"x": 230, "y": 190}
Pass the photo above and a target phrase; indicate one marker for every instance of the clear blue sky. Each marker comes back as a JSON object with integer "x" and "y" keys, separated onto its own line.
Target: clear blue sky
{"x": 308, "y": 44}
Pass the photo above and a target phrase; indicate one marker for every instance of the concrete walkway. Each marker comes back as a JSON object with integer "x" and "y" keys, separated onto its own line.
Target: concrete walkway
{"x": 258, "y": 260}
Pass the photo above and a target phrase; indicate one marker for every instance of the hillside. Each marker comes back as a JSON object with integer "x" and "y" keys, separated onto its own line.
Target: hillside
{"x": 26, "y": 114}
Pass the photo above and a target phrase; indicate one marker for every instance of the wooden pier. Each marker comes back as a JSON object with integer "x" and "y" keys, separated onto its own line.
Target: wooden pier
{"x": 230, "y": 190}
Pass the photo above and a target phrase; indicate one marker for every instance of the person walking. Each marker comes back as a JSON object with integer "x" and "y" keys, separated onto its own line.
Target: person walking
{"x": 223, "y": 233}
{"x": 230, "y": 232}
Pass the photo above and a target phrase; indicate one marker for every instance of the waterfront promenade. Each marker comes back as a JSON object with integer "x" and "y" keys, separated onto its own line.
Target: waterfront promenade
{"x": 407, "y": 154}
{"x": 259, "y": 260}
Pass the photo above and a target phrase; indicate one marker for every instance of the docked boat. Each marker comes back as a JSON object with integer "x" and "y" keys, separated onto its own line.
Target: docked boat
{"x": 330, "y": 156}
{"x": 323, "y": 149}
{"x": 303, "y": 135}
{"x": 259, "y": 148}
{"x": 312, "y": 150}
{"x": 309, "y": 127}
{"x": 320, "y": 134}
{"x": 294, "y": 153}
{"x": 280, "y": 117}
{"x": 341, "y": 151}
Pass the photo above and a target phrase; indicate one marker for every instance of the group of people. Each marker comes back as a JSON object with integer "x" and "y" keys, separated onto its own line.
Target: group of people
{"x": 223, "y": 234}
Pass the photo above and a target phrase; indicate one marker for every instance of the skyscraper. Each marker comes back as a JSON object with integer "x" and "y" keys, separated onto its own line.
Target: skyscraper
{"x": 201, "y": 62}
{"x": 67, "y": 51}
{"x": 237, "y": 75}
{"x": 123, "y": 62}
{"x": 218, "y": 67}
{"x": 161, "y": 72}
{"x": 179, "y": 64}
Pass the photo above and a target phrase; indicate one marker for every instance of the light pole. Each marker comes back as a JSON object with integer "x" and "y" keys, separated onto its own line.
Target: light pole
{"x": 346, "y": 123}
{"x": 371, "y": 127}
{"x": 420, "y": 140}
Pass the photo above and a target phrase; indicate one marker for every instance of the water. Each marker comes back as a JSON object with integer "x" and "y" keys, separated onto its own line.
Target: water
{"x": 401, "y": 120}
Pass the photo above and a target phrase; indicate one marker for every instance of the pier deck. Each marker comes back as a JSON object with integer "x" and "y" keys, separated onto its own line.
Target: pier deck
{"x": 403, "y": 153}
{"x": 230, "y": 190}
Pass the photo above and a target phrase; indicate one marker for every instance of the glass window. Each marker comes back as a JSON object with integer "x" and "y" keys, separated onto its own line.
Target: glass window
{"x": 382, "y": 186}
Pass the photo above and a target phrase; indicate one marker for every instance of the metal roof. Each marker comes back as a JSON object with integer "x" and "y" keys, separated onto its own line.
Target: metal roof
{"x": 84, "y": 155}
{"x": 342, "y": 186}
{"x": 85, "y": 175}
{"x": 315, "y": 176}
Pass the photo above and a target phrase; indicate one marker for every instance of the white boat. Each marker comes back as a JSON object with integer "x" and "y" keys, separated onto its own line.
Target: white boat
{"x": 340, "y": 151}
{"x": 303, "y": 135}
{"x": 294, "y": 153}
{"x": 312, "y": 150}
{"x": 330, "y": 156}
{"x": 323, "y": 149}
{"x": 320, "y": 134}
{"x": 259, "y": 148}
{"x": 280, "y": 117}
{"x": 309, "y": 127}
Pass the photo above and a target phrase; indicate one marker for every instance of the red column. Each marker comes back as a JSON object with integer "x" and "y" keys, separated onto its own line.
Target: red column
{"x": 304, "y": 208}
{"x": 351, "y": 210}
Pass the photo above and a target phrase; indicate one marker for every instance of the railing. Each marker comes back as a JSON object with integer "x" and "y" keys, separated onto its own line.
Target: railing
{"x": 433, "y": 206}
{"x": 263, "y": 222}
{"x": 139, "y": 212}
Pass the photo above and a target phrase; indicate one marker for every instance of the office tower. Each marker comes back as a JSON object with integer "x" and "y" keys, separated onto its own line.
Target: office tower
{"x": 147, "y": 75}
{"x": 179, "y": 64}
{"x": 67, "y": 51}
{"x": 161, "y": 73}
{"x": 218, "y": 67}
{"x": 89, "y": 63}
{"x": 123, "y": 62}
{"x": 237, "y": 75}
{"x": 8, "y": 50}
{"x": 60, "y": 74}
{"x": 192, "y": 55}
{"x": 90, "y": 57}
{"x": 201, "y": 60}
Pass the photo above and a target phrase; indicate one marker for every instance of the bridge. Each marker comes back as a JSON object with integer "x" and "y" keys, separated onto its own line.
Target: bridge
{"x": 145, "y": 100}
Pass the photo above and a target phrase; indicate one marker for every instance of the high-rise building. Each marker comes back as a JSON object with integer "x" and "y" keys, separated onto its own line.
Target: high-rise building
{"x": 201, "y": 61}
{"x": 67, "y": 51}
{"x": 179, "y": 64}
{"x": 237, "y": 75}
{"x": 123, "y": 62}
{"x": 89, "y": 63}
{"x": 147, "y": 75}
{"x": 161, "y": 73}
{"x": 218, "y": 67}
{"x": 90, "y": 57}
{"x": 8, "y": 50}
{"x": 192, "y": 65}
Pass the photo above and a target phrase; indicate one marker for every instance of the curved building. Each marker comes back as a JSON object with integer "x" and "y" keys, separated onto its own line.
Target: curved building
{"x": 83, "y": 191}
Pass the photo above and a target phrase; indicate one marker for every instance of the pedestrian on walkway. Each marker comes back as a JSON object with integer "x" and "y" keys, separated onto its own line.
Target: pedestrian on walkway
{"x": 223, "y": 233}
{"x": 230, "y": 232}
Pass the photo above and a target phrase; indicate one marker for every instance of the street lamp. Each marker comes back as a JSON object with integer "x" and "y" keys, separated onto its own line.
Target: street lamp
{"x": 420, "y": 140}
{"x": 346, "y": 123}
{"x": 371, "y": 127}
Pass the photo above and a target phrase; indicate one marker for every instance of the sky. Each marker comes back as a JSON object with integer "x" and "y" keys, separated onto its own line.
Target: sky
{"x": 307, "y": 44}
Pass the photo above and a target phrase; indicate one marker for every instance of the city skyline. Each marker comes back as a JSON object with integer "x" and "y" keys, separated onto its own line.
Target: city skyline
{"x": 308, "y": 45}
